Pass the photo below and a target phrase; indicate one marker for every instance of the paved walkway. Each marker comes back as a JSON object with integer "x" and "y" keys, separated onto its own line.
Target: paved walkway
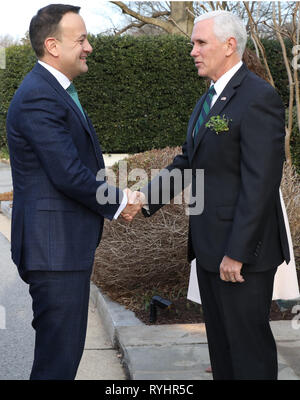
{"x": 5, "y": 178}
{"x": 16, "y": 333}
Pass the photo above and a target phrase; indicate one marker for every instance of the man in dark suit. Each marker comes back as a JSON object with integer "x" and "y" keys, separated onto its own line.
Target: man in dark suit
{"x": 59, "y": 201}
{"x": 239, "y": 239}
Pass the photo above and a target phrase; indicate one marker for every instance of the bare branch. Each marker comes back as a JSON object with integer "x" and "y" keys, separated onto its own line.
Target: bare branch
{"x": 212, "y": 6}
{"x": 132, "y": 25}
{"x": 147, "y": 20}
{"x": 160, "y": 14}
{"x": 190, "y": 12}
{"x": 291, "y": 85}
{"x": 181, "y": 30}
{"x": 254, "y": 34}
{"x": 276, "y": 30}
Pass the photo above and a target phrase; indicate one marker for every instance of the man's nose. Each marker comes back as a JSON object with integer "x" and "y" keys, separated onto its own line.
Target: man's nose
{"x": 193, "y": 53}
{"x": 88, "y": 48}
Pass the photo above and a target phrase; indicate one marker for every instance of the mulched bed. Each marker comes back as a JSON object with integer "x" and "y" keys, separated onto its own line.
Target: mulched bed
{"x": 185, "y": 311}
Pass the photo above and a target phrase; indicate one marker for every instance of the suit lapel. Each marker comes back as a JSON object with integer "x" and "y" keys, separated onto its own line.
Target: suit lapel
{"x": 222, "y": 101}
{"x": 63, "y": 93}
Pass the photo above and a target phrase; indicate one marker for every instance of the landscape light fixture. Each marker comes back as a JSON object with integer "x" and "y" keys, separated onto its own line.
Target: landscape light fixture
{"x": 158, "y": 301}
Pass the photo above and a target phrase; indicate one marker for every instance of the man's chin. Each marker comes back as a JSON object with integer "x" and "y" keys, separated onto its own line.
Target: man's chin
{"x": 83, "y": 70}
{"x": 201, "y": 72}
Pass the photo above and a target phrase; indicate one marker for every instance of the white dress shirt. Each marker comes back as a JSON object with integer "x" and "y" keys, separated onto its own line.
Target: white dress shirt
{"x": 62, "y": 79}
{"x": 220, "y": 84}
{"x": 65, "y": 83}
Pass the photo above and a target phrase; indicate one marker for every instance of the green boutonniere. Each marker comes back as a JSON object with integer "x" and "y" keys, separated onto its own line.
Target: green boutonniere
{"x": 218, "y": 124}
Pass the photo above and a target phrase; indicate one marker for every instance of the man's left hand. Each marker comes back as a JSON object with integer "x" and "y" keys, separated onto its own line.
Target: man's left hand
{"x": 230, "y": 270}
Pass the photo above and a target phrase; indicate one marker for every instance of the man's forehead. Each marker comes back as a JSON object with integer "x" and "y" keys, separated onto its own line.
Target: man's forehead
{"x": 72, "y": 21}
{"x": 204, "y": 24}
{"x": 203, "y": 28}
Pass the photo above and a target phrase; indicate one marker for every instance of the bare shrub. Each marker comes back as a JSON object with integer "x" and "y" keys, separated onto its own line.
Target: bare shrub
{"x": 290, "y": 186}
{"x": 149, "y": 256}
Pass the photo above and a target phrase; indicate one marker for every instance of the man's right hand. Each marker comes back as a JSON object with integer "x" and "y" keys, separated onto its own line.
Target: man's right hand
{"x": 136, "y": 200}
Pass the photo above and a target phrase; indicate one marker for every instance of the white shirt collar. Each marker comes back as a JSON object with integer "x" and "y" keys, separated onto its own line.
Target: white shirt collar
{"x": 220, "y": 84}
{"x": 62, "y": 79}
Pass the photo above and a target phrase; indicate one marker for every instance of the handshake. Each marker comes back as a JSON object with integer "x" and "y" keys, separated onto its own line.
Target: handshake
{"x": 136, "y": 201}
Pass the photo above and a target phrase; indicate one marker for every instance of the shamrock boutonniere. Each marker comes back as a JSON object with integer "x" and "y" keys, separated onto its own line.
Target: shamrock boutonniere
{"x": 218, "y": 124}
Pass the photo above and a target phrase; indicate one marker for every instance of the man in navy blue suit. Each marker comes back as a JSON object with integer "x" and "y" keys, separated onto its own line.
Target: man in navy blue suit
{"x": 59, "y": 203}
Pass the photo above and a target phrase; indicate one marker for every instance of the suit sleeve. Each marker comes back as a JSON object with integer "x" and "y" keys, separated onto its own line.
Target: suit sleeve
{"x": 43, "y": 124}
{"x": 262, "y": 156}
{"x": 167, "y": 184}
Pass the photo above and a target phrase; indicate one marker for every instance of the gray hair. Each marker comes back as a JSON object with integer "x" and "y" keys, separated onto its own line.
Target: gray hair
{"x": 227, "y": 25}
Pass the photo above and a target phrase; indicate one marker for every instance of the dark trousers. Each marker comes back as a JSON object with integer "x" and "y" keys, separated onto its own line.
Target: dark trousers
{"x": 60, "y": 310}
{"x": 240, "y": 341}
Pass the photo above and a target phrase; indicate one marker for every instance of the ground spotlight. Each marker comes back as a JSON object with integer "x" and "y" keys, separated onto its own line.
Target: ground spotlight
{"x": 158, "y": 301}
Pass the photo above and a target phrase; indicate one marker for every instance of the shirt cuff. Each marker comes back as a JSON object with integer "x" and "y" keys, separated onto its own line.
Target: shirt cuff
{"x": 146, "y": 208}
{"x": 122, "y": 206}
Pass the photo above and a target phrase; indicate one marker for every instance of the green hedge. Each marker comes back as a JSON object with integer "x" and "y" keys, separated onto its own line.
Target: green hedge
{"x": 139, "y": 92}
{"x": 19, "y": 61}
{"x": 144, "y": 91}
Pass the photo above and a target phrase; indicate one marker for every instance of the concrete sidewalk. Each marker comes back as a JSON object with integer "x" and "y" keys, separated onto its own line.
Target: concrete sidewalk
{"x": 180, "y": 351}
{"x": 5, "y": 178}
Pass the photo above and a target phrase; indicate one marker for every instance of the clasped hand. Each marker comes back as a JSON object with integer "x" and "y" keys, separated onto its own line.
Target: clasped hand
{"x": 136, "y": 200}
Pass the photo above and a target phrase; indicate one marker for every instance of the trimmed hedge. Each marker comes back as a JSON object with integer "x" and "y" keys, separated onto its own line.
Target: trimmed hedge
{"x": 19, "y": 61}
{"x": 139, "y": 91}
{"x": 144, "y": 91}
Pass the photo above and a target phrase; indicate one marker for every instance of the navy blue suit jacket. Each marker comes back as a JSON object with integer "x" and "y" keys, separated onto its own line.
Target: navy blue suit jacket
{"x": 55, "y": 156}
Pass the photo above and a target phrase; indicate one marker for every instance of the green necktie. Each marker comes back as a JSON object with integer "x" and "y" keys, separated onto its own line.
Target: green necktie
{"x": 205, "y": 110}
{"x": 73, "y": 93}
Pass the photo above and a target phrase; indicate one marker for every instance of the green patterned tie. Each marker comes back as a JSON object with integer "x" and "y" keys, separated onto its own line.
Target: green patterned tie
{"x": 73, "y": 93}
{"x": 205, "y": 110}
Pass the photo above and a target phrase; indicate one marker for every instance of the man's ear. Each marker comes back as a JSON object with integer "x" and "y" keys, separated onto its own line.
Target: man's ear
{"x": 51, "y": 46}
{"x": 231, "y": 46}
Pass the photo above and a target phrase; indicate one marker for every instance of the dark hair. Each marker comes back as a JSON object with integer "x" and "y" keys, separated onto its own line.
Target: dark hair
{"x": 45, "y": 23}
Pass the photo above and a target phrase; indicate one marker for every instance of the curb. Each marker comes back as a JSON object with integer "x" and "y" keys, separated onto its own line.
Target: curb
{"x": 112, "y": 314}
{"x": 163, "y": 345}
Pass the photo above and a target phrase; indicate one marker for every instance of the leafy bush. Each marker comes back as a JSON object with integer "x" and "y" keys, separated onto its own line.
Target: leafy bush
{"x": 19, "y": 61}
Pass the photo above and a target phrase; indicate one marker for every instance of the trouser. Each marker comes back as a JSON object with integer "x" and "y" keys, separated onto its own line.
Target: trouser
{"x": 60, "y": 310}
{"x": 240, "y": 341}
